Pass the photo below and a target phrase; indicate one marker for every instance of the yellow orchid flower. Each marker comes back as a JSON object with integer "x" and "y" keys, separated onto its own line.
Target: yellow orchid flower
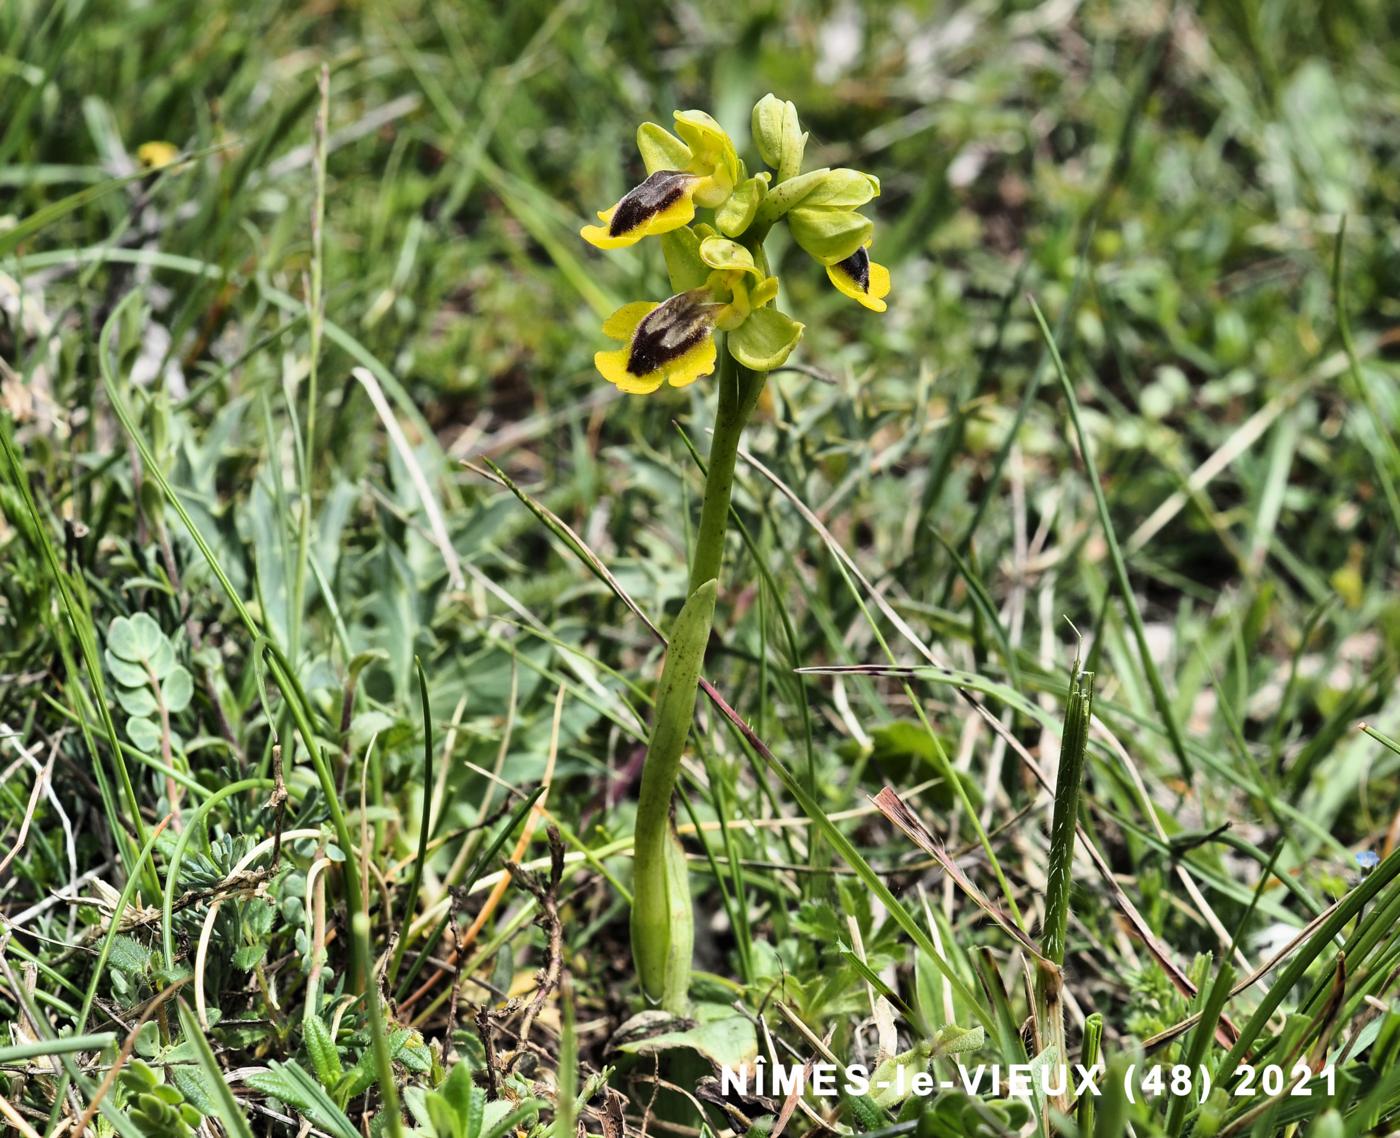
{"x": 665, "y": 201}
{"x": 862, "y": 279}
{"x": 671, "y": 342}
{"x": 699, "y": 169}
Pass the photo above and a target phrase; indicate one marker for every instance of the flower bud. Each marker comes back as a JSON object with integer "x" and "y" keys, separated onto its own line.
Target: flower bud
{"x": 778, "y": 135}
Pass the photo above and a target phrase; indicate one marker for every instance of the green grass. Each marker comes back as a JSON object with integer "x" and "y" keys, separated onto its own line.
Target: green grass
{"x": 321, "y": 403}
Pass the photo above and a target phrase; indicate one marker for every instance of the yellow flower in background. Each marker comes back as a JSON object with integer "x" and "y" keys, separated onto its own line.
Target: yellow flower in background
{"x": 671, "y": 342}
{"x": 862, "y": 279}
{"x": 156, "y": 153}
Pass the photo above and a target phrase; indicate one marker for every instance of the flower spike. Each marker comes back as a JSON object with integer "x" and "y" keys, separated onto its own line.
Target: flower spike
{"x": 862, "y": 279}
{"x": 719, "y": 271}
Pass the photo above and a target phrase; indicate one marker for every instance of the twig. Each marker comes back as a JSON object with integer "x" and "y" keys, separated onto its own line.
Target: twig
{"x": 547, "y": 894}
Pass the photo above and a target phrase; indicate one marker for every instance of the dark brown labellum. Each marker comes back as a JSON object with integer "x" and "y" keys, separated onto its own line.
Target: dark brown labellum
{"x": 663, "y": 188}
{"x": 668, "y": 332}
{"x": 857, "y": 267}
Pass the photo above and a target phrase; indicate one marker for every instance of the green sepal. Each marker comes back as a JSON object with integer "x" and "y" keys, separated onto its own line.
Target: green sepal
{"x": 790, "y": 194}
{"x": 721, "y": 253}
{"x": 681, "y": 248}
{"x": 662, "y": 150}
{"x": 779, "y": 136}
{"x": 765, "y": 339}
{"x": 829, "y": 235}
{"x": 843, "y": 189}
{"x": 710, "y": 147}
{"x": 741, "y": 207}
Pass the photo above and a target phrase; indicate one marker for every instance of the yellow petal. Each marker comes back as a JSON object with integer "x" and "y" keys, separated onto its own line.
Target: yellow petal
{"x": 613, "y": 367}
{"x": 686, "y": 369}
{"x": 879, "y": 282}
{"x": 622, "y": 323}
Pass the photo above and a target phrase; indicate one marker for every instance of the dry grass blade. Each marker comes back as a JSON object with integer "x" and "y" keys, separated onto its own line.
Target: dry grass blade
{"x": 897, "y": 811}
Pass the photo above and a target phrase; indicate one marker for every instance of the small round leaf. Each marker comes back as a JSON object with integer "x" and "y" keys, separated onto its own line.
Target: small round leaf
{"x": 177, "y": 688}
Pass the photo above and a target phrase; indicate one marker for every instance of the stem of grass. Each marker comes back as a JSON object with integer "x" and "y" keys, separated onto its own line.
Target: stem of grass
{"x": 1049, "y": 979}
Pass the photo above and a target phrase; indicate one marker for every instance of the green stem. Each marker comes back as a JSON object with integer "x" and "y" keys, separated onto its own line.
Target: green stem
{"x": 739, "y": 389}
{"x": 663, "y": 923}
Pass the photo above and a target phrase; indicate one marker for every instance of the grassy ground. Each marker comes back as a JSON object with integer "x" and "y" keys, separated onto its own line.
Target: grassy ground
{"x": 245, "y": 494}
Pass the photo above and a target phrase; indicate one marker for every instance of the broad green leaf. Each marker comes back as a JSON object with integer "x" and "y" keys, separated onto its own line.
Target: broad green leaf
{"x": 137, "y": 701}
{"x": 716, "y": 1031}
{"x": 121, "y": 639}
{"x": 162, "y": 657}
{"x": 124, "y": 671}
{"x": 147, "y": 634}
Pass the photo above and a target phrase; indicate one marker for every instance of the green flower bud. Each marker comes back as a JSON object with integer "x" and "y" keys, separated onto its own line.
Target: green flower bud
{"x": 779, "y": 136}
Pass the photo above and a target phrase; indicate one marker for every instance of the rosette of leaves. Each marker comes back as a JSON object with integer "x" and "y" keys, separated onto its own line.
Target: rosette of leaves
{"x": 953, "y": 1114}
{"x": 158, "y": 1109}
{"x": 151, "y": 683}
{"x": 458, "y": 1109}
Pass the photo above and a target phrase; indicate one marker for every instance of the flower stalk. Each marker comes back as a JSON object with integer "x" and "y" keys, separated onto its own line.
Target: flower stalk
{"x": 663, "y": 920}
{"x": 739, "y": 389}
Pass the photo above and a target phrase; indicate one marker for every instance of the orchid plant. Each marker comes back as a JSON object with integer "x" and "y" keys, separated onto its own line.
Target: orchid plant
{"x": 712, "y": 217}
